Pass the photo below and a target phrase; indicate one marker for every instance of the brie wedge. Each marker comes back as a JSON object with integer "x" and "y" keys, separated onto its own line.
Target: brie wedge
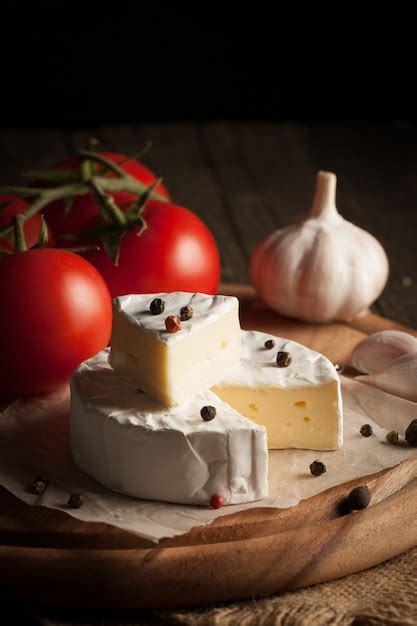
{"x": 134, "y": 445}
{"x": 172, "y": 367}
{"x": 299, "y": 405}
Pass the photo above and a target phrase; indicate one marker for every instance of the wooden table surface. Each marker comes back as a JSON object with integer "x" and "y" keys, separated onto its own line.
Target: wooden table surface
{"x": 246, "y": 178}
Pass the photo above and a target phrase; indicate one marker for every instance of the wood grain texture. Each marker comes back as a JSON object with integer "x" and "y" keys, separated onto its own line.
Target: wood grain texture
{"x": 369, "y": 323}
{"x": 245, "y": 178}
{"x": 240, "y": 565}
{"x": 52, "y": 559}
{"x": 336, "y": 340}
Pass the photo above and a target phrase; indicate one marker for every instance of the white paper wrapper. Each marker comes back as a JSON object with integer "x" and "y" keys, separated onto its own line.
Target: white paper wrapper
{"x": 34, "y": 438}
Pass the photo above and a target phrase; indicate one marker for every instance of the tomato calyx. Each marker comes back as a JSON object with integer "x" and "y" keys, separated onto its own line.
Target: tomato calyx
{"x": 43, "y": 240}
{"x": 117, "y": 222}
{"x": 92, "y": 164}
{"x": 109, "y": 210}
{"x": 69, "y": 184}
{"x": 20, "y": 243}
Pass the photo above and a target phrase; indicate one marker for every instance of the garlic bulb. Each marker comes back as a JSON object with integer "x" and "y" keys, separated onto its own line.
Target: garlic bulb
{"x": 322, "y": 268}
{"x": 376, "y": 351}
{"x": 399, "y": 377}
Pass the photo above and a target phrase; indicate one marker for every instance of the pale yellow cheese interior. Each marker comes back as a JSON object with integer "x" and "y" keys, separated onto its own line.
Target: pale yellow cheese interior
{"x": 137, "y": 355}
{"x": 303, "y": 417}
{"x": 173, "y": 373}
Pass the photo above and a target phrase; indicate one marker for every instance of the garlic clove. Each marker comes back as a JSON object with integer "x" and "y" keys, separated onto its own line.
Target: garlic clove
{"x": 398, "y": 378}
{"x": 376, "y": 351}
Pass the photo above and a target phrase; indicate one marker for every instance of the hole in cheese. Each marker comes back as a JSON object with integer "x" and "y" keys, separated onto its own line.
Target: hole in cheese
{"x": 307, "y": 418}
{"x": 253, "y": 407}
{"x": 301, "y": 404}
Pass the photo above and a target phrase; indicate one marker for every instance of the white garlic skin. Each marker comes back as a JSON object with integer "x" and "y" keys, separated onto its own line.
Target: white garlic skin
{"x": 378, "y": 350}
{"x": 399, "y": 377}
{"x": 323, "y": 268}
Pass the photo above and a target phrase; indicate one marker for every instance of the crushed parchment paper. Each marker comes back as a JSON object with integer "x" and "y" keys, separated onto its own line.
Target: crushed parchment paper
{"x": 34, "y": 438}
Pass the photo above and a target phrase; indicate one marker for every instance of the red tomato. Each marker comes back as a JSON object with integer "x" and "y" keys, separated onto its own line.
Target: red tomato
{"x": 32, "y": 227}
{"x": 55, "y": 311}
{"x": 177, "y": 252}
{"x": 5, "y": 246}
{"x": 84, "y": 208}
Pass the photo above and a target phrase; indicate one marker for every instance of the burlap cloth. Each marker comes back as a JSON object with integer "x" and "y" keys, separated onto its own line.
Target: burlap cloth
{"x": 383, "y": 595}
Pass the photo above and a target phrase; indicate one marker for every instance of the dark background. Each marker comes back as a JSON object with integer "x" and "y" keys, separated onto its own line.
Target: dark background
{"x": 74, "y": 63}
{"x": 243, "y": 104}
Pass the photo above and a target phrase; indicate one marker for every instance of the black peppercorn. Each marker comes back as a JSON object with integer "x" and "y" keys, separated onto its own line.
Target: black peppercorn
{"x": 284, "y": 359}
{"x": 157, "y": 306}
{"x": 317, "y": 468}
{"x": 76, "y": 500}
{"x": 411, "y": 433}
{"x": 208, "y": 413}
{"x": 359, "y": 498}
{"x": 269, "y": 344}
{"x": 392, "y": 437}
{"x": 40, "y": 483}
{"x": 186, "y": 313}
{"x": 366, "y": 430}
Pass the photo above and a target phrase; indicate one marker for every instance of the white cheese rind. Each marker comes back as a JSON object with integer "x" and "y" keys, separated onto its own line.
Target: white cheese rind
{"x": 171, "y": 367}
{"x": 258, "y": 366}
{"x": 300, "y": 405}
{"x": 206, "y": 310}
{"x": 133, "y": 445}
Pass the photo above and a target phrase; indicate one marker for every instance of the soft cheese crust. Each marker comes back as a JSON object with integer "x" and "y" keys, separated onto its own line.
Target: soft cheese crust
{"x": 134, "y": 445}
{"x": 258, "y": 366}
{"x": 207, "y": 309}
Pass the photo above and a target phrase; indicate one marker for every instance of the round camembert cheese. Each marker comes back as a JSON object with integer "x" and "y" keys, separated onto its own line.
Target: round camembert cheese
{"x": 132, "y": 444}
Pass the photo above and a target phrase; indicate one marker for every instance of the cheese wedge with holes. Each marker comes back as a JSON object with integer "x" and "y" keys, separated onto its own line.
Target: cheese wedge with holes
{"x": 172, "y": 367}
{"x": 299, "y": 405}
{"x": 132, "y": 444}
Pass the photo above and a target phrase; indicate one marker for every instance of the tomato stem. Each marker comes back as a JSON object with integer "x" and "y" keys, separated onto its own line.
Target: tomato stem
{"x": 86, "y": 166}
{"x": 86, "y": 170}
{"x": 109, "y": 209}
{"x": 137, "y": 155}
{"x": 23, "y": 192}
{"x": 53, "y": 176}
{"x": 19, "y": 234}
{"x": 43, "y": 197}
{"x": 98, "y": 158}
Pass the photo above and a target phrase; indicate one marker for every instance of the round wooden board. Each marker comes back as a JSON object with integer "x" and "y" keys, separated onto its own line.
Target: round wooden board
{"x": 52, "y": 559}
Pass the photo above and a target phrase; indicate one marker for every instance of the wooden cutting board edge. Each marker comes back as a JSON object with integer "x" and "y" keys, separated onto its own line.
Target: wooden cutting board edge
{"x": 246, "y": 554}
{"x": 166, "y": 577}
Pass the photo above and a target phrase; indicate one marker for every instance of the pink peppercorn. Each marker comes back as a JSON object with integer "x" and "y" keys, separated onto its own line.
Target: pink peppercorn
{"x": 173, "y": 324}
{"x": 216, "y": 501}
